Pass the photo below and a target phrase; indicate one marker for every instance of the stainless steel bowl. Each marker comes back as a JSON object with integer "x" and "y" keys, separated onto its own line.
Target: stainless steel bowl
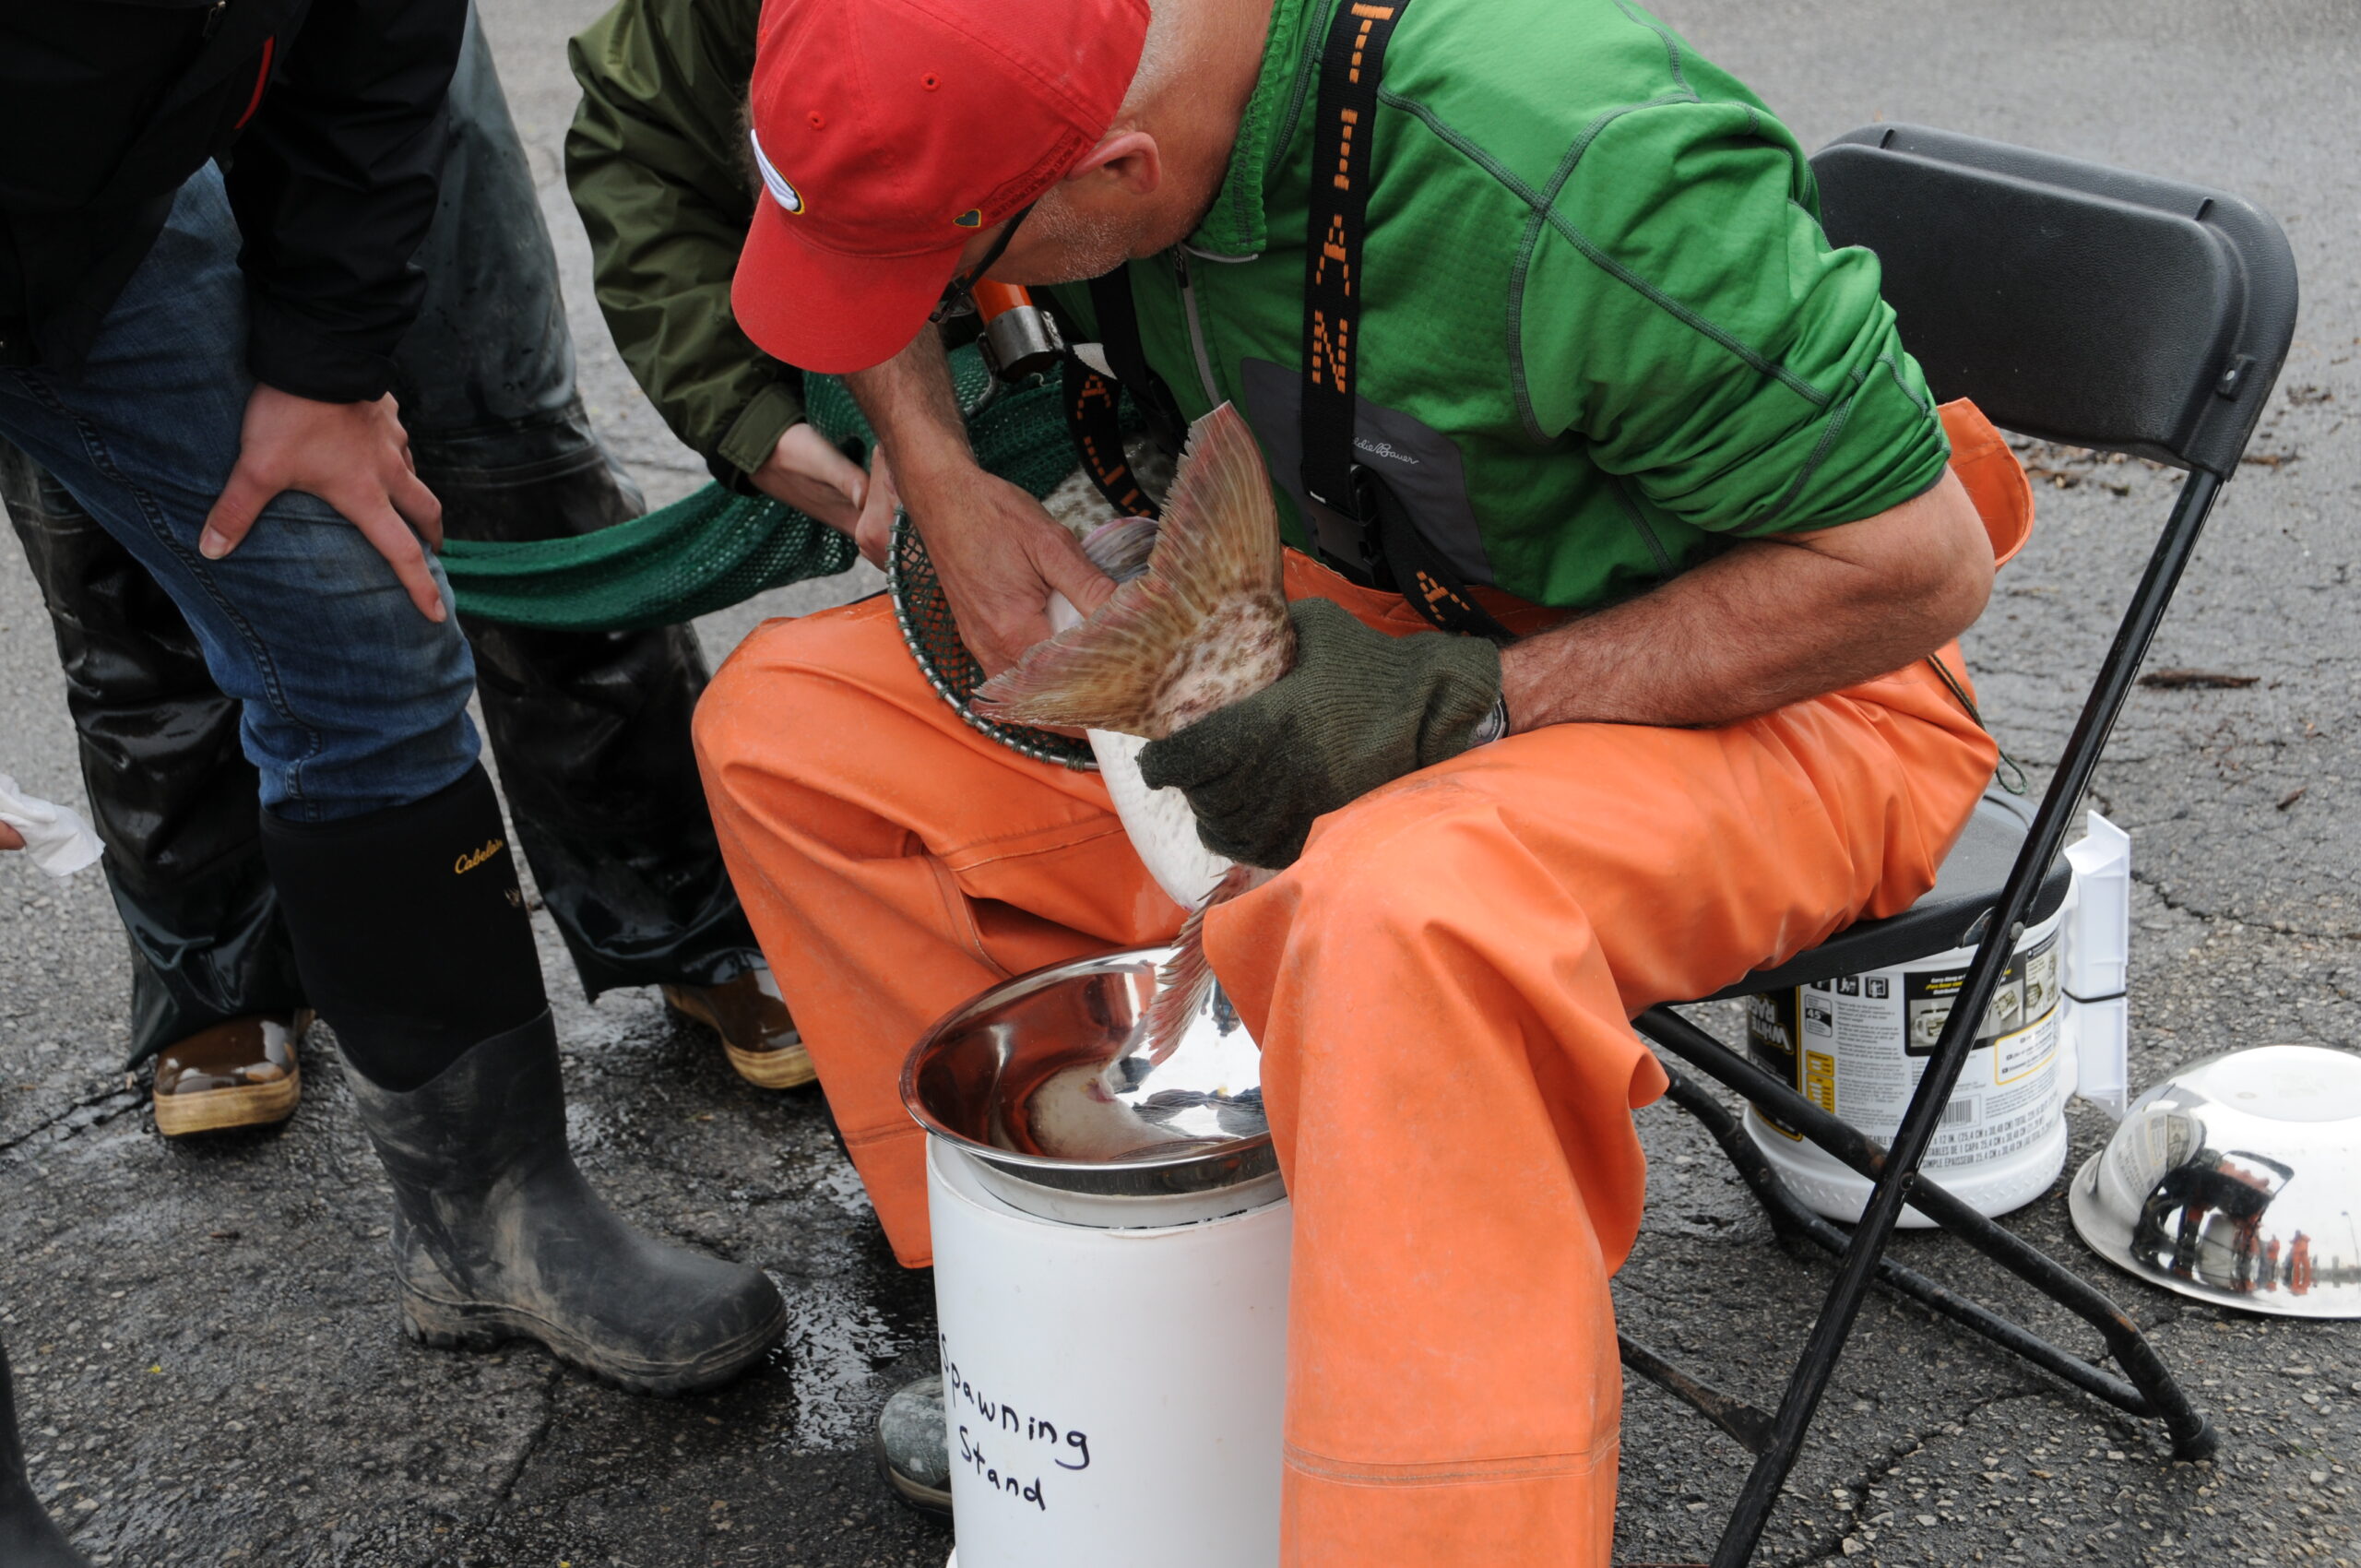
{"x": 2238, "y": 1180}
{"x": 1046, "y": 1080}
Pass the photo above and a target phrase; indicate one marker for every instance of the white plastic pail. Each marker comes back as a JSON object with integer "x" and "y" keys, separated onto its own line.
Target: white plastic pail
{"x": 1856, "y": 1046}
{"x": 1113, "y": 1396}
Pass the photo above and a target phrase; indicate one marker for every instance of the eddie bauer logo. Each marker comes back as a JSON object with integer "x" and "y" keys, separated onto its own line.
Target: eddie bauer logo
{"x": 1385, "y": 450}
{"x": 474, "y": 857}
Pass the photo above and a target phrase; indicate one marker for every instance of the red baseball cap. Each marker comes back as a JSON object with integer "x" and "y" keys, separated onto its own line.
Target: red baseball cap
{"x": 888, "y": 131}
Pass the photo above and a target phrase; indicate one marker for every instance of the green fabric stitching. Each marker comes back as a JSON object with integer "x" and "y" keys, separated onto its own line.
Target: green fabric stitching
{"x": 1925, "y": 406}
{"x": 1671, "y": 44}
{"x": 1313, "y": 37}
{"x": 1533, "y": 234}
{"x": 1599, "y": 258}
{"x": 1828, "y": 434}
{"x": 1640, "y": 522}
{"x": 1684, "y": 315}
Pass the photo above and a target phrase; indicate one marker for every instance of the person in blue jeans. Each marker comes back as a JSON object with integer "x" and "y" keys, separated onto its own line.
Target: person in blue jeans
{"x": 202, "y": 360}
{"x": 590, "y": 729}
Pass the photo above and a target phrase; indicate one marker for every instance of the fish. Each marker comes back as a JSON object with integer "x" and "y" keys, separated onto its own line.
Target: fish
{"x": 1198, "y": 621}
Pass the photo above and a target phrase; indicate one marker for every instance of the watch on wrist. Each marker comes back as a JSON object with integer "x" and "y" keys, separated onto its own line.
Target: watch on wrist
{"x": 1494, "y": 724}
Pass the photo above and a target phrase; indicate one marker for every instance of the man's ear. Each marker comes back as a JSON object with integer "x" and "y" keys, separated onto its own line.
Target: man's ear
{"x": 1128, "y": 161}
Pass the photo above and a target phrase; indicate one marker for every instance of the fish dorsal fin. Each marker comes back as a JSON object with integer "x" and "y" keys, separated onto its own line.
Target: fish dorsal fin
{"x": 1220, "y": 537}
{"x": 1215, "y": 574}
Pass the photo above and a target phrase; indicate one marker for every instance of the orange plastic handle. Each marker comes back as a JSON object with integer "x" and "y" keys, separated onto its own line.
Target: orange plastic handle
{"x": 992, "y": 298}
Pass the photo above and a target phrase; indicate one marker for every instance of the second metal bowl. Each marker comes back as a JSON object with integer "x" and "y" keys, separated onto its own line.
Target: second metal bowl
{"x": 2238, "y": 1180}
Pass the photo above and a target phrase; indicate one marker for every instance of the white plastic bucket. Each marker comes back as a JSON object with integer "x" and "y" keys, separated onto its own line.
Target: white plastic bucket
{"x": 1856, "y": 1046}
{"x": 1113, "y": 1396}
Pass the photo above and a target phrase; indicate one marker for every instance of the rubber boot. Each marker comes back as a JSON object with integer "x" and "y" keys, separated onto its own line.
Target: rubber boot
{"x": 28, "y": 1538}
{"x": 913, "y": 1446}
{"x": 497, "y": 1236}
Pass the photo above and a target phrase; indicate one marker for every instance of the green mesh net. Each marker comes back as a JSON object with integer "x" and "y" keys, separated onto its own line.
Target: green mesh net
{"x": 715, "y": 549}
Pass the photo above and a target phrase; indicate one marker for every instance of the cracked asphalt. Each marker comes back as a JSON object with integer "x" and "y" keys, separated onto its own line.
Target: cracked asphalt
{"x": 210, "y": 1371}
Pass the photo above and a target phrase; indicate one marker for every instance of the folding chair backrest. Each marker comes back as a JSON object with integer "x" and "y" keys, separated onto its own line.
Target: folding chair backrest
{"x": 2074, "y": 303}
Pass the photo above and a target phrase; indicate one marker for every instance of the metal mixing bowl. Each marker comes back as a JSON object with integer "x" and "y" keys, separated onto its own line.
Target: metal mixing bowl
{"x": 2238, "y": 1180}
{"x": 1046, "y": 1080}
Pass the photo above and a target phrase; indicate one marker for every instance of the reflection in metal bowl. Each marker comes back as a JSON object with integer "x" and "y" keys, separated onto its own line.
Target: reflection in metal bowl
{"x": 1048, "y": 1079}
{"x": 2238, "y": 1180}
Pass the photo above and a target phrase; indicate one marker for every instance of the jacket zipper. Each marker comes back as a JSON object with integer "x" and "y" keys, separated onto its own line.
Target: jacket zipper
{"x": 213, "y": 18}
{"x": 1197, "y": 328}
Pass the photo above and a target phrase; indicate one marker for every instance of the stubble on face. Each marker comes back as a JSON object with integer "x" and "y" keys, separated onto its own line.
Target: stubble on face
{"x": 1065, "y": 244}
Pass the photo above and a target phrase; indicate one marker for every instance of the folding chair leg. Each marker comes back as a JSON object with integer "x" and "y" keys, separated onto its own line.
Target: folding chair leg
{"x": 2152, "y": 1394}
{"x": 1746, "y": 1426}
{"x": 1790, "y": 1216}
{"x": 1894, "y": 1174}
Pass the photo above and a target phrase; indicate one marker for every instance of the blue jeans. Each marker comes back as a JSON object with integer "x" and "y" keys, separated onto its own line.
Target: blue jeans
{"x": 351, "y": 701}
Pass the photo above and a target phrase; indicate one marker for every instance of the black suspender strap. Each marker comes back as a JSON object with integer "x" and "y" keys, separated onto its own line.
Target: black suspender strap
{"x": 1092, "y": 414}
{"x": 1339, "y": 214}
{"x": 1095, "y": 423}
{"x": 1419, "y": 572}
{"x": 1118, "y": 340}
{"x": 1396, "y": 554}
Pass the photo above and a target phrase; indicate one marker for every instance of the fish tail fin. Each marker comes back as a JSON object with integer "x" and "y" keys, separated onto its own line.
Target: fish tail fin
{"x": 1182, "y": 985}
{"x": 1220, "y": 535}
{"x": 1219, "y": 540}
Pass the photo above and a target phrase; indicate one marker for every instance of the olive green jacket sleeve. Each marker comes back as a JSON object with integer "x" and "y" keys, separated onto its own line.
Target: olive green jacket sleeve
{"x": 657, "y": 162}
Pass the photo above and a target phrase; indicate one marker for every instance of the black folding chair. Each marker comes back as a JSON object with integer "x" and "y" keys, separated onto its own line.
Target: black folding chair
{"x": 2078, "y": 304}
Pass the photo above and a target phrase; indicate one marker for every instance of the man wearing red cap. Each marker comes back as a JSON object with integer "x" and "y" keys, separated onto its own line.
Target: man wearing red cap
{"x": 1530, "y": 306}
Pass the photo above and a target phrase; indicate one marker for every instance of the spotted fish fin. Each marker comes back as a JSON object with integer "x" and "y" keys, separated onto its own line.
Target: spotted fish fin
{"x": 1217, "y": 544}
{"x": 1188, "y": 975}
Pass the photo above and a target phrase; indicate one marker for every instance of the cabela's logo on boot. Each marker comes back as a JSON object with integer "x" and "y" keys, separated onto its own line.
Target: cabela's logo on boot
{"x": 475, "y": 858}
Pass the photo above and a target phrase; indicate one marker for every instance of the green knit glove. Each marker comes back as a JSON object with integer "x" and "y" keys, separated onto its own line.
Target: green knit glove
{"x": 1359, "y": 709}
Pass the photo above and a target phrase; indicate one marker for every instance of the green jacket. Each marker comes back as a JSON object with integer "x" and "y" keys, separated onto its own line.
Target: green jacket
{"x": 1602, "y": 330}
{"x": 658, "y": 164}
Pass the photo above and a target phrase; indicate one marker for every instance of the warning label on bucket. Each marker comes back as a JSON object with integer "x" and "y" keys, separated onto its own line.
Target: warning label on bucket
{"x": 1856, "y": 1046}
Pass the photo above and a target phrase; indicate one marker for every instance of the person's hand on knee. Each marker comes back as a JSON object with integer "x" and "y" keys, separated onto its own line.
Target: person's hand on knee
{"x": 356, "y": 457}
{"x": 1359, "y": 709}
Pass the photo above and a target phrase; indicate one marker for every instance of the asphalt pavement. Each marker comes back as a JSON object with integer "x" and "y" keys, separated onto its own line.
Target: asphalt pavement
{"x": 210, "y": 1372}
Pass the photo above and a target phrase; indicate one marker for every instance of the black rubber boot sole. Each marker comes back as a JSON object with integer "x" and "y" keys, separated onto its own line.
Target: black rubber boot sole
{"x": 456, "y": 1325}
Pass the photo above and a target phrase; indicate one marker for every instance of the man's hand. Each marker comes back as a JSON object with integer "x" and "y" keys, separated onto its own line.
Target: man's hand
{"x": 356, "y": 457}
{"x": 815, "y": 478}
{"x": 999, "y": 555}
{"x": 873, "y": 531}
{"x": 11, "y": 839}
{"x": 1359, "y": 709}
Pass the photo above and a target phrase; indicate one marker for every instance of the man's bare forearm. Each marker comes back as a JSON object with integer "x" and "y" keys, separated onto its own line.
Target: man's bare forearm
{"x": 1770, "y": 622}
{"x": 914, "y": 408}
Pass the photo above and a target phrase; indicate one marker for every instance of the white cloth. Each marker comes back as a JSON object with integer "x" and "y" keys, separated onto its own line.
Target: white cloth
{"x": 56, "y": 839}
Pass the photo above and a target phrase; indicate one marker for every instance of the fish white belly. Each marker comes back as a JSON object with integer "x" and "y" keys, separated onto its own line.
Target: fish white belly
{"x": 1158, "y": 822}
